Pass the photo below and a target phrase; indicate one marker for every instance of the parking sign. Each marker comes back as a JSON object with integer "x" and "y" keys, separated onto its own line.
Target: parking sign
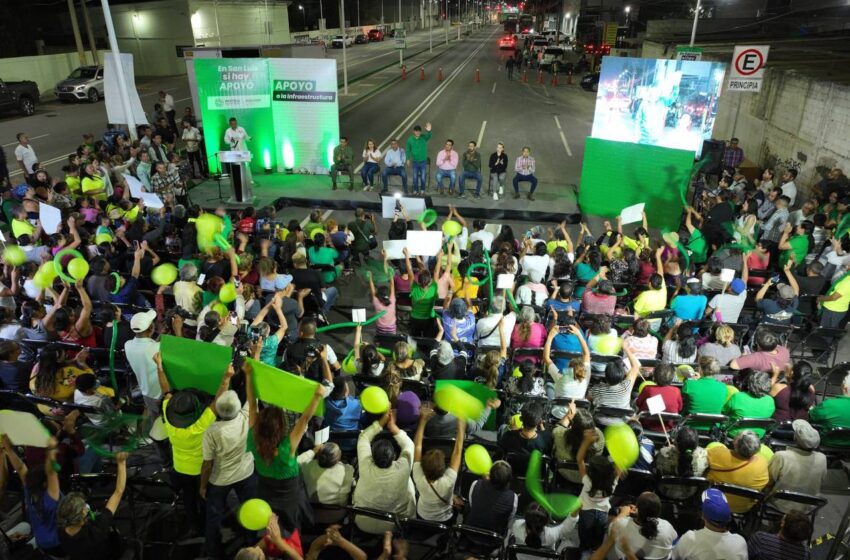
{"x": 747, "y": 68}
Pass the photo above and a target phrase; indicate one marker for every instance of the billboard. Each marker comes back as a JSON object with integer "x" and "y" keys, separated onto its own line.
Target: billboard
{"x": 619, "y": 174}
{"x": 670, "y": 103}
{"x": 287, "y": 106}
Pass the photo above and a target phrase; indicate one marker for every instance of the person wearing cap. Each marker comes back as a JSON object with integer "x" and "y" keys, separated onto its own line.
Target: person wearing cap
{"x": 799, "y": 468}
{"x": 185, "y": 420}
{"x": 834, "y": 412}
{"x": 714, "y": 541}
{"x": 140, "y": 353}
{"x": 690, "y": 306}
{"x": 791, "y": 542}
{"x": 742, "y": 465}
{"x": 726, "y": 307}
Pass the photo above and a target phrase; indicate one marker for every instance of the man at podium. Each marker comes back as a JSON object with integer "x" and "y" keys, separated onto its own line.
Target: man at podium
{"x": 237, "y": 159}
{"x": 235, "y": 136}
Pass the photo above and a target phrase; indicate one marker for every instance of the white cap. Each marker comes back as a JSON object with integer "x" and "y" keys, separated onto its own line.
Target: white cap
{"x": 142, "y": 321}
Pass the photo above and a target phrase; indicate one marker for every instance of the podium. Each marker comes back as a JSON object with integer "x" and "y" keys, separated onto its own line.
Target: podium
{"x": 241, "y": 183}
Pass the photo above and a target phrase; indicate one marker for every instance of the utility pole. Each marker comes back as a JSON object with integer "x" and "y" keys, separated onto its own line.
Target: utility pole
{"x": 119, "y": 69}
{"x": 344, "y": 60}
{"x": 430, "y": 31}
{"x": 358, "y": 13}
{"x": 694, "y": 28}
{"x": 92, "y": 44}
{"x": 446, "y": 22}
{"x": 72, "y": 10}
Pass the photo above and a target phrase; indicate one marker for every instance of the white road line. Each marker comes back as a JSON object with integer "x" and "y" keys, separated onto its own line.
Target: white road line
{"x": 558, "y": 122}
{"x": 416, "y": 113}
{"x": 481, "y": 132}
{"x": 566, "y": 146}
{"x": 494, "y": 88}
{"x": 184, "y": 99}
{"x": 546, "y": 91}
{"x": 324, "y": 217}
{"x": 30, "y": 137}
{"x": 157, "y": 92}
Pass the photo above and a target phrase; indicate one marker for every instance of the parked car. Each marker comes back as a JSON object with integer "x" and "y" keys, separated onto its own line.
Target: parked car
{"x": 376, "y": 35}
{"x": 554, "y": 35}
{"x": 361, "y": 39}
{"x": 507, "y": 42}
{"x": 19, "y": 96}
{"x": 552, "y": 55}
{"x": 539, "y": 44}
{"x": 84, "y": 84}
{"x": 590, "y": 82}
{"x": 337, "y": 42}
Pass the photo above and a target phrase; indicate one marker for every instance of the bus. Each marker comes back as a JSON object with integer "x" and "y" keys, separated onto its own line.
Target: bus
{"x": 526, "y": 23}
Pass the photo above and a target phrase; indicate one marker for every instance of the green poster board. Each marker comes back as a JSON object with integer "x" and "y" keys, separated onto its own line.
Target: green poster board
{"x": 191, "y": 364}
{"x": 282, "y": 388}
{"x": 619, "y": 174}
{"x": 481, "y": 392}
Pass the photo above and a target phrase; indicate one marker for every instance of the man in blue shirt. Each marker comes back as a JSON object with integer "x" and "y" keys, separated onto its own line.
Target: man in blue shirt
{"x": 691, "y": 305}
{"x": 394, "y": 159}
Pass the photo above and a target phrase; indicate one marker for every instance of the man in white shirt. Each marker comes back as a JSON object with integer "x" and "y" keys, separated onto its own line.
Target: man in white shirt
{"x": 714, "y": 542}
{"x": 25, "y": 154}
{"x": 487, "y": 328}
{"x": 140, "y": 352}
{"x": 728, "y": 305}
{"x": 235, "y": 136}
{"x": 394, "y": 159}
{"x": 167, "y": 103}
{"x": 482, "y": 235}
{"x": 789, "y": 188}
{"x": 806, "y": 212}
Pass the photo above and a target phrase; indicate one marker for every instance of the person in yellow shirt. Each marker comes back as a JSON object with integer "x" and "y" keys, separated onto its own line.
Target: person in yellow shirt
{"x": 641, "y": 239}
{"x": 835, "y": 303}
{"x": 72, "y": 178}
{"x": 742, "y": 465}
{"x": 93, "y": 184}
{"x": 559, "y": 238}
{"x": 185, "y": 420}
{"x": 655, "y": 298}
{"x": 21, "y": 225}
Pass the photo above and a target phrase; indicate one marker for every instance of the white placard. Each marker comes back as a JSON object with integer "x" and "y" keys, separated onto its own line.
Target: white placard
{"x": 322, "y": 436}
{"x": 727, "y": 275}
{"x": 505, "y": 281}
{"x": 23, "y": 428}
{"x": 495, "y": 229}
{"x": 424, "y": 243}
{"x": 136, "y": 187}
{"x": 656, "y": 404}
{"x": 358, "y": 315}
{"x": 413, "y": 206}
{"x": 50, "y": 218}
{"x": 395, "y": 248}
{"x": 152, "y": 200}
{"x": 632, "y": 214}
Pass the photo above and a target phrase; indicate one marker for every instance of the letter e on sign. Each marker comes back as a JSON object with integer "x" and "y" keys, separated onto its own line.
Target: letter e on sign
{"x": 749, "y": 62}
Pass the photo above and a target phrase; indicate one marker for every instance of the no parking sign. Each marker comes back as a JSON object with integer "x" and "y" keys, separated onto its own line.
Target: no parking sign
{"x": 747, "y": 68}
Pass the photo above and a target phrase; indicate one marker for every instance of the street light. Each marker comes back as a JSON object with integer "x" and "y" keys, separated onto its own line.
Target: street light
{"x": 627, "y": 9}
{"x": 696, "y": 19}
{"x": 303, "y": 17}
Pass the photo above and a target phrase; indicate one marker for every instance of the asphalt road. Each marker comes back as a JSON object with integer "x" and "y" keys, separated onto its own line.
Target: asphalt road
{"x": 552, "y": 121}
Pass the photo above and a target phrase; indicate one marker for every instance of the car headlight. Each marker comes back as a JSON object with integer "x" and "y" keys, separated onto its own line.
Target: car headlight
{"x": 80, "y": 87}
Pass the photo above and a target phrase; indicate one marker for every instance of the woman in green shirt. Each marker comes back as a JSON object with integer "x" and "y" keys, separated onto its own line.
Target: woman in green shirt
{"x": 754, "y": 402}
{"x": 275, "y": 451}
{"x": 797, "y": 244}
{"x": 423, "y": 296}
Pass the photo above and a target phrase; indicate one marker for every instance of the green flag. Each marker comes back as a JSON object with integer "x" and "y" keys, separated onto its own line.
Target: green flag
{"x": 191, "y": 364}
{"x": 481, "y": 392}
{"x": 282, "y": 388}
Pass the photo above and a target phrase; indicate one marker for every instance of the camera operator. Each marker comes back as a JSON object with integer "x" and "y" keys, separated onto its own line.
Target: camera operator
{"x": 307, "y": 356}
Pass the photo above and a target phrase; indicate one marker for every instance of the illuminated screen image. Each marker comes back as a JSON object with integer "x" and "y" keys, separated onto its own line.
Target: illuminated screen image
{"x": 670, "y": 103}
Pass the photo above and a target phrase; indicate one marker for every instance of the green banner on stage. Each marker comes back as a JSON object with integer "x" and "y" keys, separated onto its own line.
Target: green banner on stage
{"x": 191, "y": 364}
{"x": 481, "y": 392}
{"x": 619, "y": 174}
{"x": 282, "y": 388}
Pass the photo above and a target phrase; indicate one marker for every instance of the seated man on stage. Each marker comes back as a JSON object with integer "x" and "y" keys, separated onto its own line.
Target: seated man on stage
{"x": 447, "y": 161}
{"x": 524, "y": 168}
{"x": 394, "y": 159}
{"x": 343, "y": 162}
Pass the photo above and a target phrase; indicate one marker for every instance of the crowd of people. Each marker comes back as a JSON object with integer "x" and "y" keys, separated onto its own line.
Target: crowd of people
{"x": 585, "y": 331}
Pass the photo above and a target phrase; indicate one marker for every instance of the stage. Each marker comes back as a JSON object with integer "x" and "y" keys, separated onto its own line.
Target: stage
{"x": 552, "y": 203}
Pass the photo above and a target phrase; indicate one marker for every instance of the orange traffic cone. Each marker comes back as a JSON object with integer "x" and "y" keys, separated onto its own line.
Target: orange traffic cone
{"x": 439, "y": 74}
{"x": 422, "y": 73}
{"x": 524, "y": 78}
{"x": 554, "y": 80}
{"x": 403, "y": 72}
{"x": 477, "y": 75}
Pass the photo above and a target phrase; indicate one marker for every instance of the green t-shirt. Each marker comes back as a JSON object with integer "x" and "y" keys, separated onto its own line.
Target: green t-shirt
{"x": 422, "y": 301}
{"x": 698, "y": 247}
{"x": 799, "y": 248}
{"x": 324, "y": 255}
{"x": 282, "y": 467}
{"x": 704, "y": 396}
{"x": 743, "y": 405}
{"x": 584, "y": 273}
{"x": 833, "y": 412}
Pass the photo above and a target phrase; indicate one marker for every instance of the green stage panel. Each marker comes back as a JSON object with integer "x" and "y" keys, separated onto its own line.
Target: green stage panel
{"x": 619, "y": 174}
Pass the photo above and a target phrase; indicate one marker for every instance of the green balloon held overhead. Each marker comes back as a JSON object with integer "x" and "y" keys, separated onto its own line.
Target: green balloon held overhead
{"x": 164, "y": 275}
{"x": 609, "y": 344}
{"x": 477, "y": 459}
{"x": 102, "y": 238}
{"x": 255, "y": 514}
{"x": 459, "y": 403}
{"x": 78, "y": 268}
{"x": 14, "y": 255}
{"x": 227, "y": 293}
{"x": 452, "y": 228}
{"x": 41, "y": 280}
{"x": 221, "y": 309}
{"x": 48, "y": 271}
{"x": 622, "y": 445}
{"x": 374, "y": 400}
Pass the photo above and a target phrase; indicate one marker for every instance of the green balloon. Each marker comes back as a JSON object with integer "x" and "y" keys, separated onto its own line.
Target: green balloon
{"x": 164, "y": 275}
{"x": 41, "y": 280}
{"x": 102, "y": 238}
{"x": 609, "y": 345}
{"x": 221, "y": 309}
{"x": 374, "y": 400}
{"x": 255, "y": 514}
{"x": 477, "y": 459}
{"x": 78, "y": 268}
{"x": 452, "y": 228}
{"x": 14, "y": 255}
{"x": 48, "y": 271}
{"x": 227, "y": 293}
{"x": 459, "y": 403}
{"x": 622, "y": 445}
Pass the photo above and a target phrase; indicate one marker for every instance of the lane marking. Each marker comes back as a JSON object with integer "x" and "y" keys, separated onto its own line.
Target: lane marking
{"x": 546, "y": 91}
{"x": 481, "y": 132}
{"x": 494, "y": 88}
{"x": 157, "y": 92}
{"x": 558, "y": 122}
{"x": 566, "y": 146}
{"x": 30, "y": 137}
{"x": 417, "y": 112}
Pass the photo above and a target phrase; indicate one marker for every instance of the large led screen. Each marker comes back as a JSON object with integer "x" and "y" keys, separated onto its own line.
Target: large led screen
{"x": 670, "y": 103}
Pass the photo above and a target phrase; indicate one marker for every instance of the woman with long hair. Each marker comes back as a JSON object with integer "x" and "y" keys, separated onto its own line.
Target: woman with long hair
{"x": 371, "y": 160}
{"x": 568, "y": 435}
{"x": 275, "y": 449}
{"x": 684, "y": 457}
{"x": 506, "y": 235}
{"x": 641, "y": 528}
{"x": 74, "y": 325}
{"x": 505, "y": 261}
{"x": 403, "y": 364}
{"x": 680, "y": 345}
{"x": 54, "y": 377}
{"x": 367, "y": 360}
{"x": 528, "y": 333}
{"x": 535, "y": 530}
{"x": 796, "y": 395}
{"x": 423, "y": 296}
